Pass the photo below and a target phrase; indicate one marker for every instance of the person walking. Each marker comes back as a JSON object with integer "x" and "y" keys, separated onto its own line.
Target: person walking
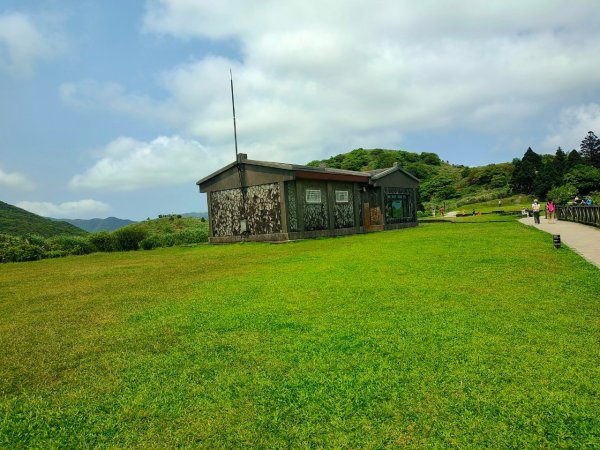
{"x": 535, "y": 206}
{"x": 551, "y": 211}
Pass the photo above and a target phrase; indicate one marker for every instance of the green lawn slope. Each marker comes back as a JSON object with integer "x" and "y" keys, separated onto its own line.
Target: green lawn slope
{"x": 18, "y": 222}
{"x": 462, "y": 336}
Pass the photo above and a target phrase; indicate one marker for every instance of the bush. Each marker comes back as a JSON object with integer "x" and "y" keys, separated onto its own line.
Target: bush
{"x": 70, "y": 245}
{"x": 151, "y": 242}
{"x": 102, "y": 241}
{"x": 128, "y": 238}
{"x": 167, "y": 240}
{"x": 7, "y": 240}
{"x": 23, "y": 251}
{"x": 561, "y": 195}
{"x": 35, "y": 239}
{"x": 191, "y": 236}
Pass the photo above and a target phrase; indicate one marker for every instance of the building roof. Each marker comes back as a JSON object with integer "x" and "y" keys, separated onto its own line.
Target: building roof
{"x": 298, "y": 168}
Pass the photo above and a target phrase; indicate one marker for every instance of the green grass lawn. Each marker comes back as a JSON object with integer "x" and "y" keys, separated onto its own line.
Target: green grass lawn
{"x": 464, "y": 336}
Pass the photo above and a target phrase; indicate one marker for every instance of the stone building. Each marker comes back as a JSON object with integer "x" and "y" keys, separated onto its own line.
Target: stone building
{"x": 266, "y": 201}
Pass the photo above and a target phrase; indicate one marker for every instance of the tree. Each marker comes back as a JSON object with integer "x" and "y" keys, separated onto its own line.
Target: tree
{"x": 430, "y": 158}
{"x": 560, "y": 165}
{"x": 440, "y": 187}
{"x": 585, "y": 178}
{"x": 590, "y": 149}
{"x": 356, "y": 159}
{"x": 573, "y": 159}
{"x": 545, "y": 179}
{"x": 524, "y": 174}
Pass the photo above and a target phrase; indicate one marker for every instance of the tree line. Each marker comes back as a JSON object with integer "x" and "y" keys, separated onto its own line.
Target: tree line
{"x": 561, "y": 176}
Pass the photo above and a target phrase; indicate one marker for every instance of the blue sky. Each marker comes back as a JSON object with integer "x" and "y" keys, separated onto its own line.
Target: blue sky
{"x": 113, "y": 108}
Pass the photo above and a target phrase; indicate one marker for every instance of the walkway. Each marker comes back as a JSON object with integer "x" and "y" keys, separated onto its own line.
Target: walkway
{"x": 582, "y": 239}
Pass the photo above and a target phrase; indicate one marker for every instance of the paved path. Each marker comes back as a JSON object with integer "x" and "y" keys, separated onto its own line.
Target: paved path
{"x": 582, "y": 239}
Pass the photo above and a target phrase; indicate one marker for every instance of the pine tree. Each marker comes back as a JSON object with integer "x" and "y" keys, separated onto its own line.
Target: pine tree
{"x": 590, "y": 149}
{"x": 525, "y": 172}
{"x": 573, "y": 159}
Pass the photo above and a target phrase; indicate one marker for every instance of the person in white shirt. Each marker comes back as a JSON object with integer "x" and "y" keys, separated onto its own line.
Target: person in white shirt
{"x": 535, "y": 206}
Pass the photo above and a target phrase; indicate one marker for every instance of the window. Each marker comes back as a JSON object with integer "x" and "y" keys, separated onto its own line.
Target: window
{"x": 313, "y": 196}
{"x": 341, "y": 196}
{"x": 398, "y": 208}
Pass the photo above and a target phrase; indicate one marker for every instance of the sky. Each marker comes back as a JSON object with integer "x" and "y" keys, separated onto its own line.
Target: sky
{"x": 117, "y": 108}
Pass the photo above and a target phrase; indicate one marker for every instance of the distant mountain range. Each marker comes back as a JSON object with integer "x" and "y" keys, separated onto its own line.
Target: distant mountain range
{"x": 95, "y": 225}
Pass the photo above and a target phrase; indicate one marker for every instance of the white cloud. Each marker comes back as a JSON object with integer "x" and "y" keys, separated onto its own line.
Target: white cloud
{"x": 313, "y": 81}
{"x": 23, "y": 44}
{"x": 572, "y": 127}
{"x": 16, "y": 181}
{"x": 127, "y": 164}
{"x": 67, "y": 210}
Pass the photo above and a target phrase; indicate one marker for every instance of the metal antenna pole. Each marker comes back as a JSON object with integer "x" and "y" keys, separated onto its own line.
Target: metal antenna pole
{"x": 233, "y": 106}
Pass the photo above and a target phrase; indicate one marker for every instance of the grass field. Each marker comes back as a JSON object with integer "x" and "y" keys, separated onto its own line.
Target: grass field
{"x": 465, "y": 336}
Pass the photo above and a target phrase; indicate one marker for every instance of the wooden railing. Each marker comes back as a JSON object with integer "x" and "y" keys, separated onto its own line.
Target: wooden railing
{"x": 589, "y": 215}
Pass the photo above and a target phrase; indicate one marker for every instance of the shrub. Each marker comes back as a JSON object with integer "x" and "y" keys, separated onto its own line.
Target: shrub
{"x": 191, "y": 236}
{"x": 7, "y": 240}
{"x": 562, "y": 194}
{"x": 35, "y": 239}
{"x": 128, "y": 238}
{"x": 102, "y": 241}
{"x": 23, "y": 251}
{"x": 151, "y": 242}
{"x": 70, "y": 245}
{"x": 167, "y": 240}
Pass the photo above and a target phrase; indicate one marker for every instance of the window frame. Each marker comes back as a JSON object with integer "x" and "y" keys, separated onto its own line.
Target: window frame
{"x": 342, "y": 200}
{"x": 309, "y": 196}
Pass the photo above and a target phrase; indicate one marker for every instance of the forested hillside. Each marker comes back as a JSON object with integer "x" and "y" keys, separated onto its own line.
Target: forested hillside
{"x": 18, "y": 222}
{"x": 440, "y": 180}
{"x": 561, "y": 176}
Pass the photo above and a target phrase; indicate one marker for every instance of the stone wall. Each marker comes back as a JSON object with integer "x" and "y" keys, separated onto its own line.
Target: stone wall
{"x": 343, "y": 213}
{"x": 259, "y": 205}
{"x": 316, "y": 215}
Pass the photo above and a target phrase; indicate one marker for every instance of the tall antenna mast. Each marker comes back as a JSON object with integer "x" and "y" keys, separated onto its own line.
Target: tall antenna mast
{"x": 233, "y": 106}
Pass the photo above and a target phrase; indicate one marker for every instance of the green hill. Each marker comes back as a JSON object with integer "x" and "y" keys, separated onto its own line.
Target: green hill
{"x": 18, "y": 222}
{"x": 168, "y": 224}
{"x": 440, "y": 180}
{"x": 165, "y": 231}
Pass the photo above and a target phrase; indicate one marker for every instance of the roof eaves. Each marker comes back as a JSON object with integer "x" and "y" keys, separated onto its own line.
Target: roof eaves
{"x": 386, "y": 172}
{"x": 218, "y": 172}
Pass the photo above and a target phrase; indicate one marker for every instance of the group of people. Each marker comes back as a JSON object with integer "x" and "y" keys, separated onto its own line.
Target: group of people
{"x": 550, "y": 211}
{"x": 586, "y": 201}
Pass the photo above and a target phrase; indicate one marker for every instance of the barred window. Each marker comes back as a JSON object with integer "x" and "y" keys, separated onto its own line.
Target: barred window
{"x": 341, "y": 196}
{"x": 313, "y": 196}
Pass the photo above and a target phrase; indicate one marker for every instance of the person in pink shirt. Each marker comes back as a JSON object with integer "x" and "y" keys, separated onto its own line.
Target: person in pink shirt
{"x": 551, "y": 209}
